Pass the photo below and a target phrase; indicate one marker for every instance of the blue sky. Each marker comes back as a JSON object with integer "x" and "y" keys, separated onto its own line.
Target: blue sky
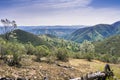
{"x": 60, "y": 12}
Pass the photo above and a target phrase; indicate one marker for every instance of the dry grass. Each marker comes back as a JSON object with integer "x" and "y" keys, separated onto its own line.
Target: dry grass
{"x": 94, "y": 66}
{"x": 37, "y": 71}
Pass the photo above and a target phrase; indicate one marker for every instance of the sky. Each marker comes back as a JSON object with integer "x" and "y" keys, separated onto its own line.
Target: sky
{"x": 60, "y": 12}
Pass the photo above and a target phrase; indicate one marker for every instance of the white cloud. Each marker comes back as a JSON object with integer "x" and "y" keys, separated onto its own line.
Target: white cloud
{"x": 54, "y": 4}
{"x": 69, "y": 3}
{"x": 61, "y": 12}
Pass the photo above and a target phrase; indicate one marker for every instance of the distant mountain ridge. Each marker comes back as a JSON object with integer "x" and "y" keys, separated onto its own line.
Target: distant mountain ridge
{"x": 95, "y": 33}
{"x": 59, "y": 31}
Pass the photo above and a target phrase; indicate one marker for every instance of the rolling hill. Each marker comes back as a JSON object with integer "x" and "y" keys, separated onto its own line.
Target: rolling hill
{"x": 25, "y": 37}
{"x": 109, "y": 45}
{"x": 45, "y": 39}
{"x": 95, "y": 33}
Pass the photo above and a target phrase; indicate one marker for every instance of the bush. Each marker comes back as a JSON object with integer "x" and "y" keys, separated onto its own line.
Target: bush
{"x": 118, "y": 59}
{"x": 15, "y": 61}
{"x": 2, "y": 48}
{"x": 16, "y": 50}
{"x": 51, "y": 58}
{"x": 109, "y": 58}
{"x": 87, "y": 47}
{"x": 11, "y": 52}
{"x": 105, "y": 57}
{"x": 114, "y": 59}
{"x": 62, "y": 54}
{"x": 41, "y": 51}
{"x": 78, "y": 55}
{"x": 89, "y": 56}
{"x": 30, "y": 49}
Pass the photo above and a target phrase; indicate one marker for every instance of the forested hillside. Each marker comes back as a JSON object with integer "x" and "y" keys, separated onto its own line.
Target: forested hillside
{"x": 95, "y": 33}
{"x": 26, "y": 37}
{"x": 110, "y": 45}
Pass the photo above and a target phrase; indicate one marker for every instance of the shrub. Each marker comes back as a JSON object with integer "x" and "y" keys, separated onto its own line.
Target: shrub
{"x": 41, "y": 51}
{"x": 118, "y": 59}
{"x": 16, "y": 50}
{"x": 15, "y": 61}
{"x": 114, "y": 59}
{"x": 89, "y": 56}
{"x": 62, "y": 54}
{"x": 2, "y": 48}
{"x": 51, "y": 58}
{"x": 30, "y": 49}
{"x": 105, "y": 58}
{"x": 87, "y": 47}
{"x": 78, "y": 55}
{"x": 108, "y": 58}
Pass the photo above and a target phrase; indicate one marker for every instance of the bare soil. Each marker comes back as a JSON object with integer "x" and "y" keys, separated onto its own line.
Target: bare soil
{"x": 33, "y": 70}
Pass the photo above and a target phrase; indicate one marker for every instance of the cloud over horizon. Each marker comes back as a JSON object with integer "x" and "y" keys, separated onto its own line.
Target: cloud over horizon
{"x": 57, "y": 12}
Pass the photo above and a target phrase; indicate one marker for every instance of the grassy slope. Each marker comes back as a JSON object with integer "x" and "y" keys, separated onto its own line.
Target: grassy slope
{"x": 95, "y": 65}
{"x": 36, "y": 71}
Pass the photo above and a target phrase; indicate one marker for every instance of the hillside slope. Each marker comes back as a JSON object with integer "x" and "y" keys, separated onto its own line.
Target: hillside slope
{"x": 57, "y": 42}
{"x": 95, "y": 33}
{"x": 110, "y": 45}
{"x": 25, "y": 37}
{"x": 48, "y": 40}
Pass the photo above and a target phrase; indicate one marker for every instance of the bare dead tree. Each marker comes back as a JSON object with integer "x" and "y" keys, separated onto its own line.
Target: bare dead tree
{"x": 8, "y": 27}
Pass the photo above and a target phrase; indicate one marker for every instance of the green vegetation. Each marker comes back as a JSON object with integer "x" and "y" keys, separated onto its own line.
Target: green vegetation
{"x": 110, "y": 46}
{"x": 26, "y": 37}
{"x": 8, "y": 28}
{"x": 60, "y": 43}
{"x": 95, "y": 33}
{"x": 11, "y": 52}
{"x": 109, "y": 49}
{"x": 41, "y": 51}
{"x": 17, "y": 44}
{"x": 53, "y": 48}
{"x": 87, "y": 47}
{"x": 62, "y": 54}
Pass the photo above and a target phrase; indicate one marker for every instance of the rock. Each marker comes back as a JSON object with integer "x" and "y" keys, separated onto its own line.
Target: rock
{"x": 21, "y": 79}
{"x": 46, "y": 78}
{"x": 4, "y": 78}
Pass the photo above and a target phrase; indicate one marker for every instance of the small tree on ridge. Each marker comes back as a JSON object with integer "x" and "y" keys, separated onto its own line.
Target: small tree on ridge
{"x": 8, "y": 27}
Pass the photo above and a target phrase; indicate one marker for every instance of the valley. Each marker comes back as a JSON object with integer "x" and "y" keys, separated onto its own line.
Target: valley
{"x": 59, "y": 31}
{"x": 59, "y": 39}
{"x": 36, "y": 53}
